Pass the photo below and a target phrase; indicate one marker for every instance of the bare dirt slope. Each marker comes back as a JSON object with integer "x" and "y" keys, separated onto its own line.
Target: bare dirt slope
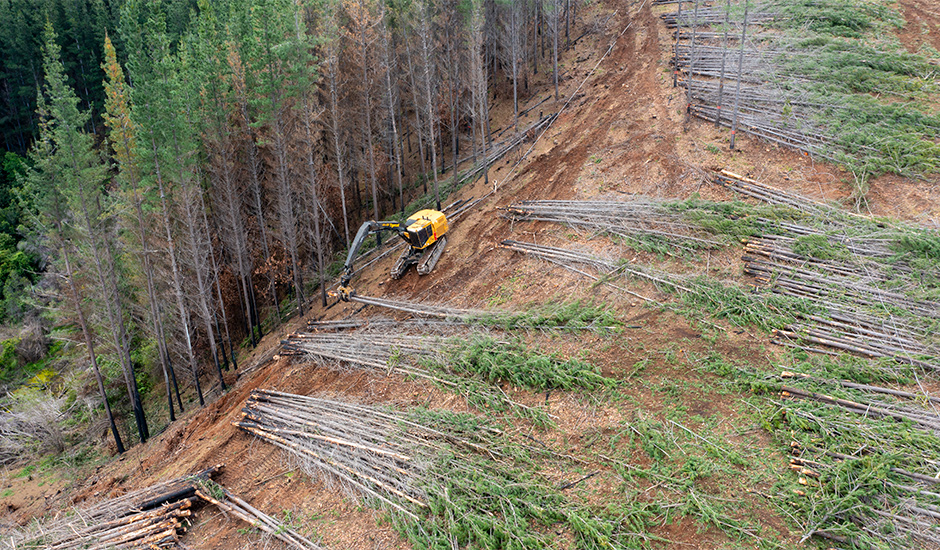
{"x": 622, "y": 133}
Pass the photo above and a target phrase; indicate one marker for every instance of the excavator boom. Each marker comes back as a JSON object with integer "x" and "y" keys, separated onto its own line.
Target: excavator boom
{"x": 423, "y": 231}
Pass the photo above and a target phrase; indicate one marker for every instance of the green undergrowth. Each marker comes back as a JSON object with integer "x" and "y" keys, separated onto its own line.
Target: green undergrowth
{"x": 514, "y": 363}
{"x": 569, "y": 316}
{"x": 853, "y": 474}
{"x": 495, "y": 500}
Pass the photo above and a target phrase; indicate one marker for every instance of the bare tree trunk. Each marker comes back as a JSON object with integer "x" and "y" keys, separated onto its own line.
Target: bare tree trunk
{"x": 417, "y": 103}
{"x": 198, "y": 251}
{"x": 478, "y": 82}
{"x": 177, "y": 283}
{"x": 218, "y": 288}
{"x": 312, "y": 178}
{"x": 367, "y": 127}
{"x": 333, "y": 85}
{"x": 254, "y": 167}
{"x": 90, "y": 345}
{"x": 390, "y": 95}
{"x": 427, "y": 59}
{"x": 152, "y": 297}
{"x": 286, "y": 218}
{"x": 232, "y": 234}
{"x": 555, "y": 13}
{"x": 567, "y": 24}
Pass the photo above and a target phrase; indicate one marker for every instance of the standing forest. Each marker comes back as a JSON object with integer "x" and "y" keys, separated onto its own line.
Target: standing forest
{"x": 179, "y": 176}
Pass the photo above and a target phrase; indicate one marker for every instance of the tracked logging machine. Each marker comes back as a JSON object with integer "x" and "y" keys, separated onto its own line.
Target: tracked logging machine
{"x": 423, "y": 231}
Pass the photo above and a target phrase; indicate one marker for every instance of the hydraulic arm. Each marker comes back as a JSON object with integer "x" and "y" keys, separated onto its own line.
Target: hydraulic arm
{"x": 423, "y": 231}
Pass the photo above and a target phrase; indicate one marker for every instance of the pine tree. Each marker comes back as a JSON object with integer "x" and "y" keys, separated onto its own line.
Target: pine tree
{"x": 274, "y": 51}
{"x": 48, "y": 216}
{"x": 123, "y": 139}
{"x": 80, "y": 176}
{"x": 152, "y": 70}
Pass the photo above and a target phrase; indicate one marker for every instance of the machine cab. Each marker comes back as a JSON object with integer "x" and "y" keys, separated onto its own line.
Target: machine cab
{"x": 424, "y": 227}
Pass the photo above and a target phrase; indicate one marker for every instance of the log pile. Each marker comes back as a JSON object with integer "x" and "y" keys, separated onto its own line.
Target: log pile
{"x": 873, "y": 306}
{"x": 860, "y": 296}
{"x": 376, "y": 453}
{"x": 874, "y": 477}
{"x": 371, "y": 350}
{"x": 441, "y": 475}
{"x": 739, "y": 73}
{"x": 389, "y": 352}
{"x": 416, "y": 323}
{"x": 626, "y": 219}
{"x": 713, "y": 15}
{"x": 150, "y": 517}
{"x": 158, "y": 528}
{"x": 756, "y": 190}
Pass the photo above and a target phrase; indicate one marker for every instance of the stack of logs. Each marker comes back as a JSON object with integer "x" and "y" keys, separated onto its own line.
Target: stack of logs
{"x": 153, "y": 517}
{"x": 626, "y": 219}
{"x": 376, "y": 453}
{"x": 860, "y": 316}
{"x": 756, "y": 190}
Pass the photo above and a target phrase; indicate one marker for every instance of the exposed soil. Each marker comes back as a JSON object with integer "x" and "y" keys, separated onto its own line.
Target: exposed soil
{"x": 923, "y": 24}
{"x": 623, "y": 133}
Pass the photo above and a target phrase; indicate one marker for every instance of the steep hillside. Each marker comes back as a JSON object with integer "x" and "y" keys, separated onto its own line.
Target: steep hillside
{"x": 621, "y": 134}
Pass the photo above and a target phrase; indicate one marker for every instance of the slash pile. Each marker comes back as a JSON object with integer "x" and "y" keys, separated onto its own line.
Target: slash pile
{"x": 866, "y": 456}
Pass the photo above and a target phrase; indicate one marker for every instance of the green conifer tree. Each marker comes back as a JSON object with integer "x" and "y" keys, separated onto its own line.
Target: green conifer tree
{"x": 66, "y": 190}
